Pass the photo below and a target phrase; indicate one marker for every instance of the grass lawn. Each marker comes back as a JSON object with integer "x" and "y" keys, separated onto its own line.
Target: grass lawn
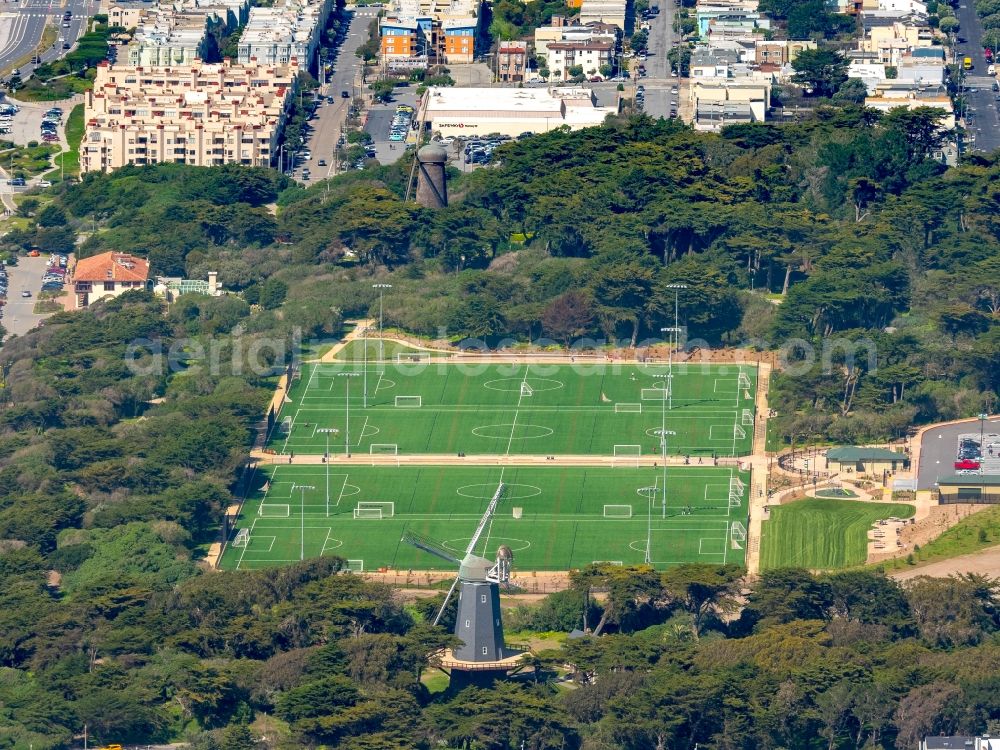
{"x": 583, "y": 409}
{"x": 68, "y": 162}
{"x": 28, "y": 160}
{"x": 570, "y": 516}
{"x": 355, "y": 350}
{"x": 971, "y": 534}
{"x": 822, "y": 534}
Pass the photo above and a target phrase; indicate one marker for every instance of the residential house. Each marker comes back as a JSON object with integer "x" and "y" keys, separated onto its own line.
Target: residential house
{"x": 560, "y": 31}
{"x": 716, "y": 102}
{"x": 923, "y": 65}
{"x": 589, "y": 56}
{"x": 109, "y": 274}
{"x": 618, "y": 13}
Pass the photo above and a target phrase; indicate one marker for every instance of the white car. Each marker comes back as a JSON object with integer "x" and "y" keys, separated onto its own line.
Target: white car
{"x": 44, "y": 183}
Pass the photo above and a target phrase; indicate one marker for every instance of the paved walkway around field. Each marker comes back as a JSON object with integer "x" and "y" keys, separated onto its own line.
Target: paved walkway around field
{"x": 985, "y": 562}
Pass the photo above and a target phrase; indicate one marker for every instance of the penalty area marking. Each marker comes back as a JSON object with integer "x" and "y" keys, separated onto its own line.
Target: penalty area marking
{"x": 486, "y": 491}
{"x": 507, "y": 431}
{"x": 460, "y": 544}
{"x": 727, "y": 436}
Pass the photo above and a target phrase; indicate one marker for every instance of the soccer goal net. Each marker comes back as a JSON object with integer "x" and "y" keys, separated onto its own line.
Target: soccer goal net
{"x": 738, "y": 532}
{"x": 653, "y": 394}
{"x": 355, "y": 566}
{"x": 526, "y": 389}
{"x": 747, "y": 417}
{"x": 273, "y": 510}
{"x": 628, "y": 408}
{"x": 738, "y": 432}
{"x": 242, "y": 538}
{"x": 384, "y": 449}
{"x": 409, "y": 402}
{"x": 376, "y": 510}
{"x": 617, "y": 511}
{"x": 744, "y": 381}
{"x": 286, "y": 425}
{"x": 736, "y": 491}
{"x": 626, "y": 454}
{"x": 402, "y": 357}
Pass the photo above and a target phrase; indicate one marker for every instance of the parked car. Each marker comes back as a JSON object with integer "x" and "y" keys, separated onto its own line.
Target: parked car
{"x": 25, "y": 293}
{"x": 967, "y": 464}
{"x": 44, "y": 183}
{"x": 345, "y": 94}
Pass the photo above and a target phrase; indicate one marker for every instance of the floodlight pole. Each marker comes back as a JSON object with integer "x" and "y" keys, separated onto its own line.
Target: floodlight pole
{"x": 347, "y": 409}
{"x": 663, "y": 450}
{"x": 983, "y": 416}
{"x": 326, "y": 432}
{"x": 381, "y": 340}
{"x": 302, "y": 516}
{"x": 677, "y": 340}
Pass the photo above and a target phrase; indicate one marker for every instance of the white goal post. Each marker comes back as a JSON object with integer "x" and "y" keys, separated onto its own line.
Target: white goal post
{"x": 286, "y": 425}
{"x": 738, "y": 532}
{"x": 374, "y": 510}
{"x": 744, "y": 381}
{"x": 736, "y": 492}
{"x": 242, "y": 538}
{"x": 617, "y": 511}
{"x": 628, "y": 408}
{"x": 274, "y": 510}
{"x": 629, "y": 454}
{"x": 383, "y": 449}
{"x": 738, "y": 432}
{"x": 355, "y": 566}
{"x": 526, "y": 390}
{"x": 653, "y": 394}
{"x": 747, "y": 417}
{"x": 409, "y": 402}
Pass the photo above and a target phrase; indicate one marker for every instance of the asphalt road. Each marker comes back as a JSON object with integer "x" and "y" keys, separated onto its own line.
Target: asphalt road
{"x": 22, "y": 23}
{"x": 983, "y": 120}
{"x": 18, "y": 314}
{"x": 346, "y": 76}
{"x": 658, "y": 82}
{"x": 939, "y": 450}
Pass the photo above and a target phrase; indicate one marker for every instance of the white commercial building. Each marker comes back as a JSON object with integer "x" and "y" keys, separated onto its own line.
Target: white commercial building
{"x": 614, "y": 12}
{"x": 471, "y": 112}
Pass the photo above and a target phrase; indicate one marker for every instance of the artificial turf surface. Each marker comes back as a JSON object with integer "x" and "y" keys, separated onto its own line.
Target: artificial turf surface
{"x": 584, "y": 409}
{"x": 563, "y": 523}
{"x": 822, "y": 534}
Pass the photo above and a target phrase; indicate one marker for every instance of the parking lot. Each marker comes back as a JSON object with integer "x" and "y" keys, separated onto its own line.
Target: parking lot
{"x": 19, "y": 315}
{"x": 941, "y": 449}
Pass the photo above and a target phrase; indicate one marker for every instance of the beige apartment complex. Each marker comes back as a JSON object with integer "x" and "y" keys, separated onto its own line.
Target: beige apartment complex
{"x": 201, "y": 114}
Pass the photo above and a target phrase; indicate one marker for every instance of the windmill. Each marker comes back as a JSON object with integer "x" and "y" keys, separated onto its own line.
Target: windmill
{"x": 483, "y": 654}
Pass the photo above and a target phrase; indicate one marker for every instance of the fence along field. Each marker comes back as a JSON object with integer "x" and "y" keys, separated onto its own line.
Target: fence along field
{"x": 588, "y": 409}
{"x": 553, "y": 518}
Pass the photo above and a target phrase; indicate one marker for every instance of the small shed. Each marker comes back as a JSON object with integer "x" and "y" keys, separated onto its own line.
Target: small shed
{"x": 876, "y": 462}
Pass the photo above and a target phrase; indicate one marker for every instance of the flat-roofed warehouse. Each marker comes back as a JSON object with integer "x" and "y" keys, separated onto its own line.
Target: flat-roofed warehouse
{"x": 465, "y": 112}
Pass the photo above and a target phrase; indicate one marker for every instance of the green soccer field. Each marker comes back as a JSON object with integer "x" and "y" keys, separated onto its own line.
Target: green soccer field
{"x": 822, "y": 534}
{"x": 569, "y": 516}
{"x": 422, "y": 407}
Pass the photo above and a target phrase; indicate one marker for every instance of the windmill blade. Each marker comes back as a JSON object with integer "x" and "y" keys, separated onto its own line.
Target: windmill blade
{"x": 445, "y": 602}
{"x": 490, "y": 510}
{"x": 429, "y": 545}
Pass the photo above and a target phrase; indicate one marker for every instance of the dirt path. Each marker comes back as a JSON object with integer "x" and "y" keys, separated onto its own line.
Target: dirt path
{"x": 985, "y": 562}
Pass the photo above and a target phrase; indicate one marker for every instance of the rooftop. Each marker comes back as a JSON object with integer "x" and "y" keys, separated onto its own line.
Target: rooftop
{"x": 112, "y": 266}
{"x": 970, "y": 480}
{"x": 858, "y": 453}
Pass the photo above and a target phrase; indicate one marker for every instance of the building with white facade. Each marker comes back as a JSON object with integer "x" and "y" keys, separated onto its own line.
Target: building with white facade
{"x": 472, "y": 112}
{"x": 289, "y": 30}
{"x": 177, "y": 33}
{"x": 617, "y": 13}
{"x": 204, "y": 114}
{"x": 717, "y": 102}
{"x": 589, "y": 57}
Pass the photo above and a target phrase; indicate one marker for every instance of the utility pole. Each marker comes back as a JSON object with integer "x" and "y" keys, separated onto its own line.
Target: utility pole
{"x": 302, "y": 516}
{"x": 676, "y": 342}
{"x": 347, "y": 409}
{"x": 327, "y": 431}
{"x": 381, "y": 340}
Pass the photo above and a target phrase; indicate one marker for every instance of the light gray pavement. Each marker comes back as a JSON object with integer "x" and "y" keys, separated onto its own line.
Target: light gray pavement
{"x": 18, "y": 314}
{"x": 939, "y": 450}
{"x": 983, "y": 122}
{"x": 346, "y": 76}
{"x": 658, "y": 81}
{"x": 380, "y": 120}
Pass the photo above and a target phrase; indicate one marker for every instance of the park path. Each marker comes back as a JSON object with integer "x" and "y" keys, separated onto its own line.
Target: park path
{"x": 759, "y": 466}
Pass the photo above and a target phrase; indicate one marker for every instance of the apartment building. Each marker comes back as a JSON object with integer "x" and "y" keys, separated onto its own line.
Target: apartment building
{"x": 430, "y": 31}
{"x": 560, "y": 31}
{"x": 779, "y": 53}
{"x": 177, "y": 33}
{"x": 618, "y": 13}
{"x": 588, "y": 56}
{"x": 716, "y": 102}
{"x": 290, "y": 30}
{"x": 512, "y": 61}
{"x": 201, "y": 114}
{"x": 127, "y": 14}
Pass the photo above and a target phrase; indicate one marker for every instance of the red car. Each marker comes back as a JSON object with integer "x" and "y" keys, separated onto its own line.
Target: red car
{"x": 966, "y": 463}
{"x": 989, "y": 54}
